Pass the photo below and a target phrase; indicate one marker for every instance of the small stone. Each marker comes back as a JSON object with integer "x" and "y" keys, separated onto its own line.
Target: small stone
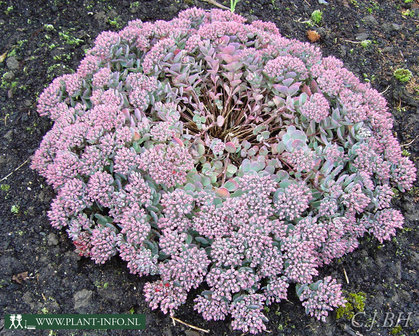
{"x": 362, "y": 36}
{"x": 167, "y": 332}
{"x": 73, "y": 256}
{"x": 52, "y": 239}
{"x": 405, "y": 295}
{"x": 53, "y": 305}
{"x": 31, "y": 211}
{"x": 388, "y": 49}
{"x": 12, "y": 63}
{"x": 172, "y": 9}
{"x": 82, "y": 298}
{"x": 43, "y": 197}
{"x": 411, "y": 211}
{"x": 391, "y": 27}
{"x": 29, "y": 300}
{"x": 397, "y": 269}
{"x": 192, "y": 333}
{"x": 343, "y": 51}
{"x": 396, "y": 27}
{"x": 27, "y": 102}
{"x": 8, "y": 76}
{"x": 395, "y": 298}
{"x": 414, "y": 257}
{"x": 9, "y": 135}
{"x": 252, "y": 18}
{"x": 9, "y": 265}
{"x": 370, "y": 19}
{"x": 101, "y": 17}
{"x": 379, "y": 299}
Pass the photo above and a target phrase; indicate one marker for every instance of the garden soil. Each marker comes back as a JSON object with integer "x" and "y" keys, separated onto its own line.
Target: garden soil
{"x": 39, "y": 270}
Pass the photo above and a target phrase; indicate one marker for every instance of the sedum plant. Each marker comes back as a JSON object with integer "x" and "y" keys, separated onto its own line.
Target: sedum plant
{"x": 223, "y": 158}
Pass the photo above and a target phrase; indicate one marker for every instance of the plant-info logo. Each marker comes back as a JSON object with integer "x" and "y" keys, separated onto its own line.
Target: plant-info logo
{"x": 74, "y": 321}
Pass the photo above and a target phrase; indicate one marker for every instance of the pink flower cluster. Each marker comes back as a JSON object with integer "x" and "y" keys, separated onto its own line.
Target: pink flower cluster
{"x": 186, "y": 268}
{"x": 167, "y": 164}
{"x": 103, "y": 244}
{"x": 164, "y": 295}
{"x": 317, "y": 108}
{"x": 292, "y": 202}
{"x": 302, "y": 159}
{"x": 286, "y": 64}
{"x": 384, "y": 224}
{"x": 319, "y": 301}
{"x": 247, "y": 314}
{"x": 222, "y": 158}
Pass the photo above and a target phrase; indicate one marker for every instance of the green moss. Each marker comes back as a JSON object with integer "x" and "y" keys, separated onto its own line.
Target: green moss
{"x": 368, "y": 78}
{"x": 49, "y": 27}
{"x": 3, "y": 283}
{"x": 71, "y": 40}
{"x": 405, "y": 153}
{"x": 89, "y": 6}
{"x": 20, "y": 43}
{"x": 15, "y": 209}
{"x": 374, "y": 6}
{"x": 8, "y": 10}
{"x": 12, "y": 53}
{"x": 115, "y": 22}
{"x": 402, "y": 75}
{"x": 135, "y": 4}
{"x": 62, "y": 57}
{"x": 355, "y": 303}
{"x": 7, "y": 80}
{"x": 5, "y": 187}
{"x": 396, "y": 330}
{"x": 354, "y": 2}
{"x": 99, "y": 284}
{"x": 408, "y": 12}
{"x": 366, "y": 43}
{"x": 51, "y": 69}
{"x": 317, "y": 16}
{"x": 414, "y": 192}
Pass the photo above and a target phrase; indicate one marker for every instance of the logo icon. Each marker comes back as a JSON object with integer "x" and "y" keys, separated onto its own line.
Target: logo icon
{"x": 16, "y": 321}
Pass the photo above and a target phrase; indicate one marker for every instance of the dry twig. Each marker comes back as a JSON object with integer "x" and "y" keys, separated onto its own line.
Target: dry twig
{"x": 174, "y": 320}
{"x": 409, "y": 143}
{"x": 385, "y": 90}
{"x": 346, "y": 275}
{"x": 215, "y": 3}
{"x": 8, "y": 175}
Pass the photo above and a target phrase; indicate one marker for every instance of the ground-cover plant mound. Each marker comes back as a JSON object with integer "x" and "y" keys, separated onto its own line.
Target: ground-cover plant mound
{"x": 220, "y": 156}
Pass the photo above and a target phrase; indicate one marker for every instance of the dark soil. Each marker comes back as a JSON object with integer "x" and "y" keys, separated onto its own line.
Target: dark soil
{"x": 43, "y": 39}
